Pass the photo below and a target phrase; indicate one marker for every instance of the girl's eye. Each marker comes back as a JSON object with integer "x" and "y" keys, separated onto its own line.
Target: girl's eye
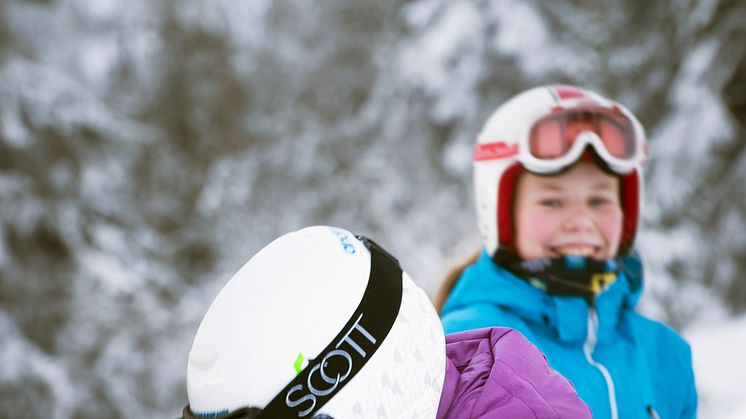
{"x": 550, "y": 203}
{"x": 598, "y": 201}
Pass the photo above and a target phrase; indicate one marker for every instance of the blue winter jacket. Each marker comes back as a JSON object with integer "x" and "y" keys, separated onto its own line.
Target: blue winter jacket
{"x": 623, "y": 365}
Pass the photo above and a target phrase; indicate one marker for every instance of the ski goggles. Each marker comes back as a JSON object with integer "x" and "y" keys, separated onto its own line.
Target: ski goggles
{"x": 557, "y": 140}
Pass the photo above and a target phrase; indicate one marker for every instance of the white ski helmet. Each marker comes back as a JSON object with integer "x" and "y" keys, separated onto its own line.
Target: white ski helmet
{"x": 318, "y": 322}
{"x": 545, "y": 130}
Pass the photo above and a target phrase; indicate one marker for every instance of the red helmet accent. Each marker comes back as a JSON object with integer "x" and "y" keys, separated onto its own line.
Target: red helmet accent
{"x": 630, "y": 195}
{"x": 506, "y": 192}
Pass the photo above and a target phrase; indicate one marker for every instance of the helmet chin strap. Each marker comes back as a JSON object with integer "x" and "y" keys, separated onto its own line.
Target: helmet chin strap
{"x": 567, "y": 275}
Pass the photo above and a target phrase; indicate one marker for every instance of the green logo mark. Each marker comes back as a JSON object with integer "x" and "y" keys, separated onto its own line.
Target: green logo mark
{"x": 299, "y": 363}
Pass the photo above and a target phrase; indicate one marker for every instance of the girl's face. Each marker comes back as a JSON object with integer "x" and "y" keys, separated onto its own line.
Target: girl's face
{"x": 574, "y": 213}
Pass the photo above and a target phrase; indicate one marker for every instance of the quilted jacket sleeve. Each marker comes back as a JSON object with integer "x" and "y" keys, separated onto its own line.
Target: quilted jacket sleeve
{"x": 501, "y": 374}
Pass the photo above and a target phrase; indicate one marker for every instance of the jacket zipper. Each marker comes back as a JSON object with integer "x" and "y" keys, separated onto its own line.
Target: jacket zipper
{"x": 588, "y": 348}
{"x": 652, "y": 413}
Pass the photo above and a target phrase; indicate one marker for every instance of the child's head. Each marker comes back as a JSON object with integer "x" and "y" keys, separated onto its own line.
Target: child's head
{"x": 558, "y": 171}
{"x": 318, "y": 321}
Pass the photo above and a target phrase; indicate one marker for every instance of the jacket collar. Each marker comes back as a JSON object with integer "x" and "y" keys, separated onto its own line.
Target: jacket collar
{"x": 486, "y": 282}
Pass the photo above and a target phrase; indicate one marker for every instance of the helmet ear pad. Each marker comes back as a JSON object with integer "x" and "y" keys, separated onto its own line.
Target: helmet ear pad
{"x": 506, "y": 195}
{"x": 630, "y": 197}
{"x": 629, "y": 193}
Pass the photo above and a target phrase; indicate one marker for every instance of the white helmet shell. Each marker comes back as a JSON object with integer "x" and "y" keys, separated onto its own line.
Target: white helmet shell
{"x": 502, "y": 138}
{"x": 285, "y": 305}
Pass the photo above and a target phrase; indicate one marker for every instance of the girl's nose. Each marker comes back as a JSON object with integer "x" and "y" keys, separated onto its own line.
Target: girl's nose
{"x": 578, "y": 219}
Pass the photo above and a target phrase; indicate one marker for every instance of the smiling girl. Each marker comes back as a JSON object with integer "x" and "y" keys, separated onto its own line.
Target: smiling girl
{"x": 558, "y": 184}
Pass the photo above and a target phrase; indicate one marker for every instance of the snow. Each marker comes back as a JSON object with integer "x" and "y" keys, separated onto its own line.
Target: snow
{"x": 719, "y": 368}
{"x": 21, "y": 360}
{"x": 445, "y": 57}
{"x": 522, "y": 33}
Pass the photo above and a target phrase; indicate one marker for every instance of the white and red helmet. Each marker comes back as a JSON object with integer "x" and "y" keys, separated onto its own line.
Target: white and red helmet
{"x": 545, "y": 130}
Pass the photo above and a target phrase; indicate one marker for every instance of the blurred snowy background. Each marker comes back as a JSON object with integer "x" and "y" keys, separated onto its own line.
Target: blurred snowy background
{"x": 148, "y": 148}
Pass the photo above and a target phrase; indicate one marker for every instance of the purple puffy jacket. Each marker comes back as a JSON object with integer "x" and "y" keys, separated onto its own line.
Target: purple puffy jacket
{"x": 497, "y": 373}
